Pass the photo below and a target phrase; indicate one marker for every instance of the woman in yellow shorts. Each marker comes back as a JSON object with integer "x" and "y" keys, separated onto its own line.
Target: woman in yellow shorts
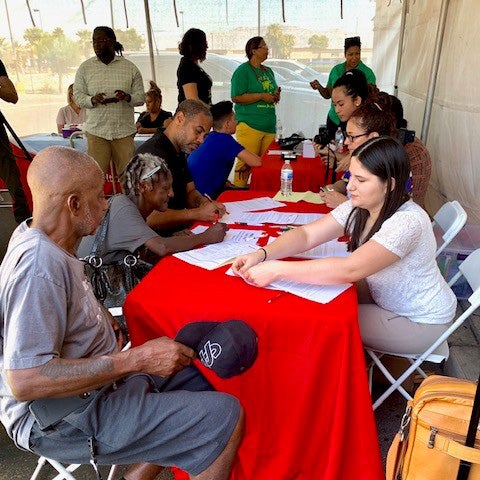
{"x": 255, "y": 93}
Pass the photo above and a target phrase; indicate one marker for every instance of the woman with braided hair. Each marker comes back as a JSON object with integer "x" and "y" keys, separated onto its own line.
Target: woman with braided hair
{"x": 154, "y": 118}
{"x": 148, "y": 187}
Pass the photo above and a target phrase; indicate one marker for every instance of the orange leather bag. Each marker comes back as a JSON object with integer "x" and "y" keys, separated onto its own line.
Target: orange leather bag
{"x": 438, "y": 418}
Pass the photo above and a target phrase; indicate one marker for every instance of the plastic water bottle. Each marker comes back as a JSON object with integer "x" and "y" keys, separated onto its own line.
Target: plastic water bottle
{"x": 339, "y": 140}
{"x": 278, "y": 131}
{"x": 286, "y": 179}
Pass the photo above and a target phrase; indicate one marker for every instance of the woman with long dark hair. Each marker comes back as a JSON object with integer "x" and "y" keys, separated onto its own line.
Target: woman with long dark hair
{"x": 192, "y": 81}
{"x": 405, "y": 301}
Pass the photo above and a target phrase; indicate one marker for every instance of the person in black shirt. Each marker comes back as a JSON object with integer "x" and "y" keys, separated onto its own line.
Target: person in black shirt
{"x": 9, "y": 171}
{"x": 154, "y": 119}
{"x": 191, "y": 122}
{"x": 192, "y": 81}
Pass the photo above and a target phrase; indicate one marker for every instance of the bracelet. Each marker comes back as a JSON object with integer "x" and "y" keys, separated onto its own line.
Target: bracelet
{"x": 264, "y": 252}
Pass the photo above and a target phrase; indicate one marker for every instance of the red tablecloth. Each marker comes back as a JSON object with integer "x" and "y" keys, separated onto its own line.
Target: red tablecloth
{"x": 308, "y": 173}
{"x": 306, "y": 399}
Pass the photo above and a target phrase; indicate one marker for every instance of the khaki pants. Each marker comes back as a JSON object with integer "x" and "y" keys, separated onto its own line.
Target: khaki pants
{"x": 389, "y": 332}
{"x": 120, "y": 150}
{"x": 254, "y": 141}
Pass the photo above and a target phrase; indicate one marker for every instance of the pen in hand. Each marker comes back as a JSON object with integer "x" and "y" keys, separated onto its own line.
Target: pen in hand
{"x": 215, "y": 215}
{"x": 277, "y": 296}
{"x": 209, "y": 198}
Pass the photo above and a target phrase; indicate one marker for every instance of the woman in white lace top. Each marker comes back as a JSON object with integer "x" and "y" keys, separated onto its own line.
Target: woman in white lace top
{"x": 404, "y": 301}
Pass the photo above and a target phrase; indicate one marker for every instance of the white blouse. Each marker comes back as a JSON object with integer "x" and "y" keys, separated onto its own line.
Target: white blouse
{"x": 412, "y": 287}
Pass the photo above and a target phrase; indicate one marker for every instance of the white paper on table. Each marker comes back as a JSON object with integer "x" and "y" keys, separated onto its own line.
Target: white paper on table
{"x": 235, "y": 234}
{"x": 217, "y": 254}
{"x": 333, "y": 248}
{"x": 316, "y": 293}
{"x": 308, "y": 150}
{"x": 279, "y": 152}
{"x": 252, "y": 205}
{"x": 199, "y": 229}
{"x": 277, "y": 218}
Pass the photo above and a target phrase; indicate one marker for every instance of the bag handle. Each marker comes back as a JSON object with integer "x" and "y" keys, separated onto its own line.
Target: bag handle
{"x": 396, "y": 452}
{"x": 441, "y": 442}
{"x": 465, "y": 465}
{"x": 101, "y": 234}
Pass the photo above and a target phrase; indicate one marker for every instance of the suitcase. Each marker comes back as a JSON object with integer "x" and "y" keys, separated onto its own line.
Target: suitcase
{"x": 439, "y": 418}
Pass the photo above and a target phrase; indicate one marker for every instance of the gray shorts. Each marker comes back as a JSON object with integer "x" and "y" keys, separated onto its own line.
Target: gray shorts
{"x": 179, "y": 423}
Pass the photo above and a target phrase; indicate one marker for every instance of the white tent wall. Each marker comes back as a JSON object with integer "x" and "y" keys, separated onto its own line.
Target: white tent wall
{"x": 385, "y": 44}
{"x": 455, "y": 121}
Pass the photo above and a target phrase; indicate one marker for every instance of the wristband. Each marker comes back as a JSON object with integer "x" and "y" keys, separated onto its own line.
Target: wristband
{"x": 264, "y": 252}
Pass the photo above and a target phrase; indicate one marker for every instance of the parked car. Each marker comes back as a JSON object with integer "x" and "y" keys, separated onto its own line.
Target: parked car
{"x": 298, "y": 67}
{"x": 300, "y": 109}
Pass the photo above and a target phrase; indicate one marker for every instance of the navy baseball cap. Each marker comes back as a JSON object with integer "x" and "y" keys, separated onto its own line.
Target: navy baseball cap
{"x": 228, "y": 348}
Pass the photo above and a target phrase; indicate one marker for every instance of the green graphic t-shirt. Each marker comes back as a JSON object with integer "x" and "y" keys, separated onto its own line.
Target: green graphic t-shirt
{"x": 336, "y": 72}
{"x": 248, "y": 79}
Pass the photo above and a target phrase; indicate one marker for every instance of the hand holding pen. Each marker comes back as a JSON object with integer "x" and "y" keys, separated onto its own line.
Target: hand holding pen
{"x": 213, "y": 210}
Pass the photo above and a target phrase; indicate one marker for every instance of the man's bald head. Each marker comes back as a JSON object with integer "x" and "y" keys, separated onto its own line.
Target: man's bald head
{"x": 57, "y": 172}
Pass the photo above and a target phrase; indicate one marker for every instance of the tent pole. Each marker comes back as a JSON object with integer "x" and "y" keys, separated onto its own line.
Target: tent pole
{"x": 111, "y": 15}
{"x": 258, "y": 24}
{"x": 149, "y": 37}
{"x": 434, "y": 72}
{"x": 401, "y": 36}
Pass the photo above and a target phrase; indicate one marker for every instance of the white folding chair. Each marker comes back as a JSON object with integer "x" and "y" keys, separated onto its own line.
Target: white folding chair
{"x": 65, "y": 473}
{"x": 438, "y": 351}
{"x": 450, "y": 218}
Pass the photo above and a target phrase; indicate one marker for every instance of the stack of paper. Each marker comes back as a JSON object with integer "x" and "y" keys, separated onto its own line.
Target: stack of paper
{"x": 316, "y": 293}
{"x": 216, "y": 255}
{"x": 277, "y": 218}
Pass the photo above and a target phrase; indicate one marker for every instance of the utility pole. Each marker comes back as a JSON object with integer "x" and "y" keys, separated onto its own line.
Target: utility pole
{"x": 14, "y": 54}
{"x": 111, "y": 15}
{"x": 259, "y": 8}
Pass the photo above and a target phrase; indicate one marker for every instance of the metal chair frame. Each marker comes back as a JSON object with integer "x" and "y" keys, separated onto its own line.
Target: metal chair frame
{"x": 451, "y": 218}
{"x": 438, "y": 351}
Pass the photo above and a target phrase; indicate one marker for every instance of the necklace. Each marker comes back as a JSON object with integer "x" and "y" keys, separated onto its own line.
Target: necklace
{"x": 269, "y": 79}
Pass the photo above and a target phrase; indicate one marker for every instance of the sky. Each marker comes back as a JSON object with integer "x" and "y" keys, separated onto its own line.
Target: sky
{"x": 209, "y": 15}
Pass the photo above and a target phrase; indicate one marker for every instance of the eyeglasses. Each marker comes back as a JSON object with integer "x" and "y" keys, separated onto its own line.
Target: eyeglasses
{"x": 351, "y": 138}
{"x": 150, "y": 173}
{"x": 263, "y": 46}
{"x": 100, "y": 41}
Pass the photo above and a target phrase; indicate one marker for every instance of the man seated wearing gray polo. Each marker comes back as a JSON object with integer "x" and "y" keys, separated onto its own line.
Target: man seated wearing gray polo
{"x": 66, "y": 391}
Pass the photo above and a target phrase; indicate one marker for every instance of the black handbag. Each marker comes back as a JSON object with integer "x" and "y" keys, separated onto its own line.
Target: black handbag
{"x": 112, "y": 281}
{"x": 291, "y": 142}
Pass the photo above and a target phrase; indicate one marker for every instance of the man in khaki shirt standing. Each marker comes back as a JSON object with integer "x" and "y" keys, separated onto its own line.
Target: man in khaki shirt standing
{"x": 109, "y": 87}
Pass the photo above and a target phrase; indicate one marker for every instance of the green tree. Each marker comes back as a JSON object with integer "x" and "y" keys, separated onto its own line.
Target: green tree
{"x": 34, "y": 37}
{"x": 85, "y": 42}
{"x": 279, "y": 43}
{"x": 318, "y": 43}
{"x": 130, "y": 39}
{"x": 59, "y": 53}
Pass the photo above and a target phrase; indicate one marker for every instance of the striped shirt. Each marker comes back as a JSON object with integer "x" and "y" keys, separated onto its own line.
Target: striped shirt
{"x": 113, "y": 120}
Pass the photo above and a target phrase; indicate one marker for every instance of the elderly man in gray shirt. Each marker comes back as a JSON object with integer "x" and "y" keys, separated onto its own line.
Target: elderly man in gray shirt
{"x": 66, "y": 392}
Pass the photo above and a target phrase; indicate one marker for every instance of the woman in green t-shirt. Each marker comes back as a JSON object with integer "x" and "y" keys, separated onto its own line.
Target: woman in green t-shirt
{"x": 352, "y": 48}
{"x": 255, "y": 93}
